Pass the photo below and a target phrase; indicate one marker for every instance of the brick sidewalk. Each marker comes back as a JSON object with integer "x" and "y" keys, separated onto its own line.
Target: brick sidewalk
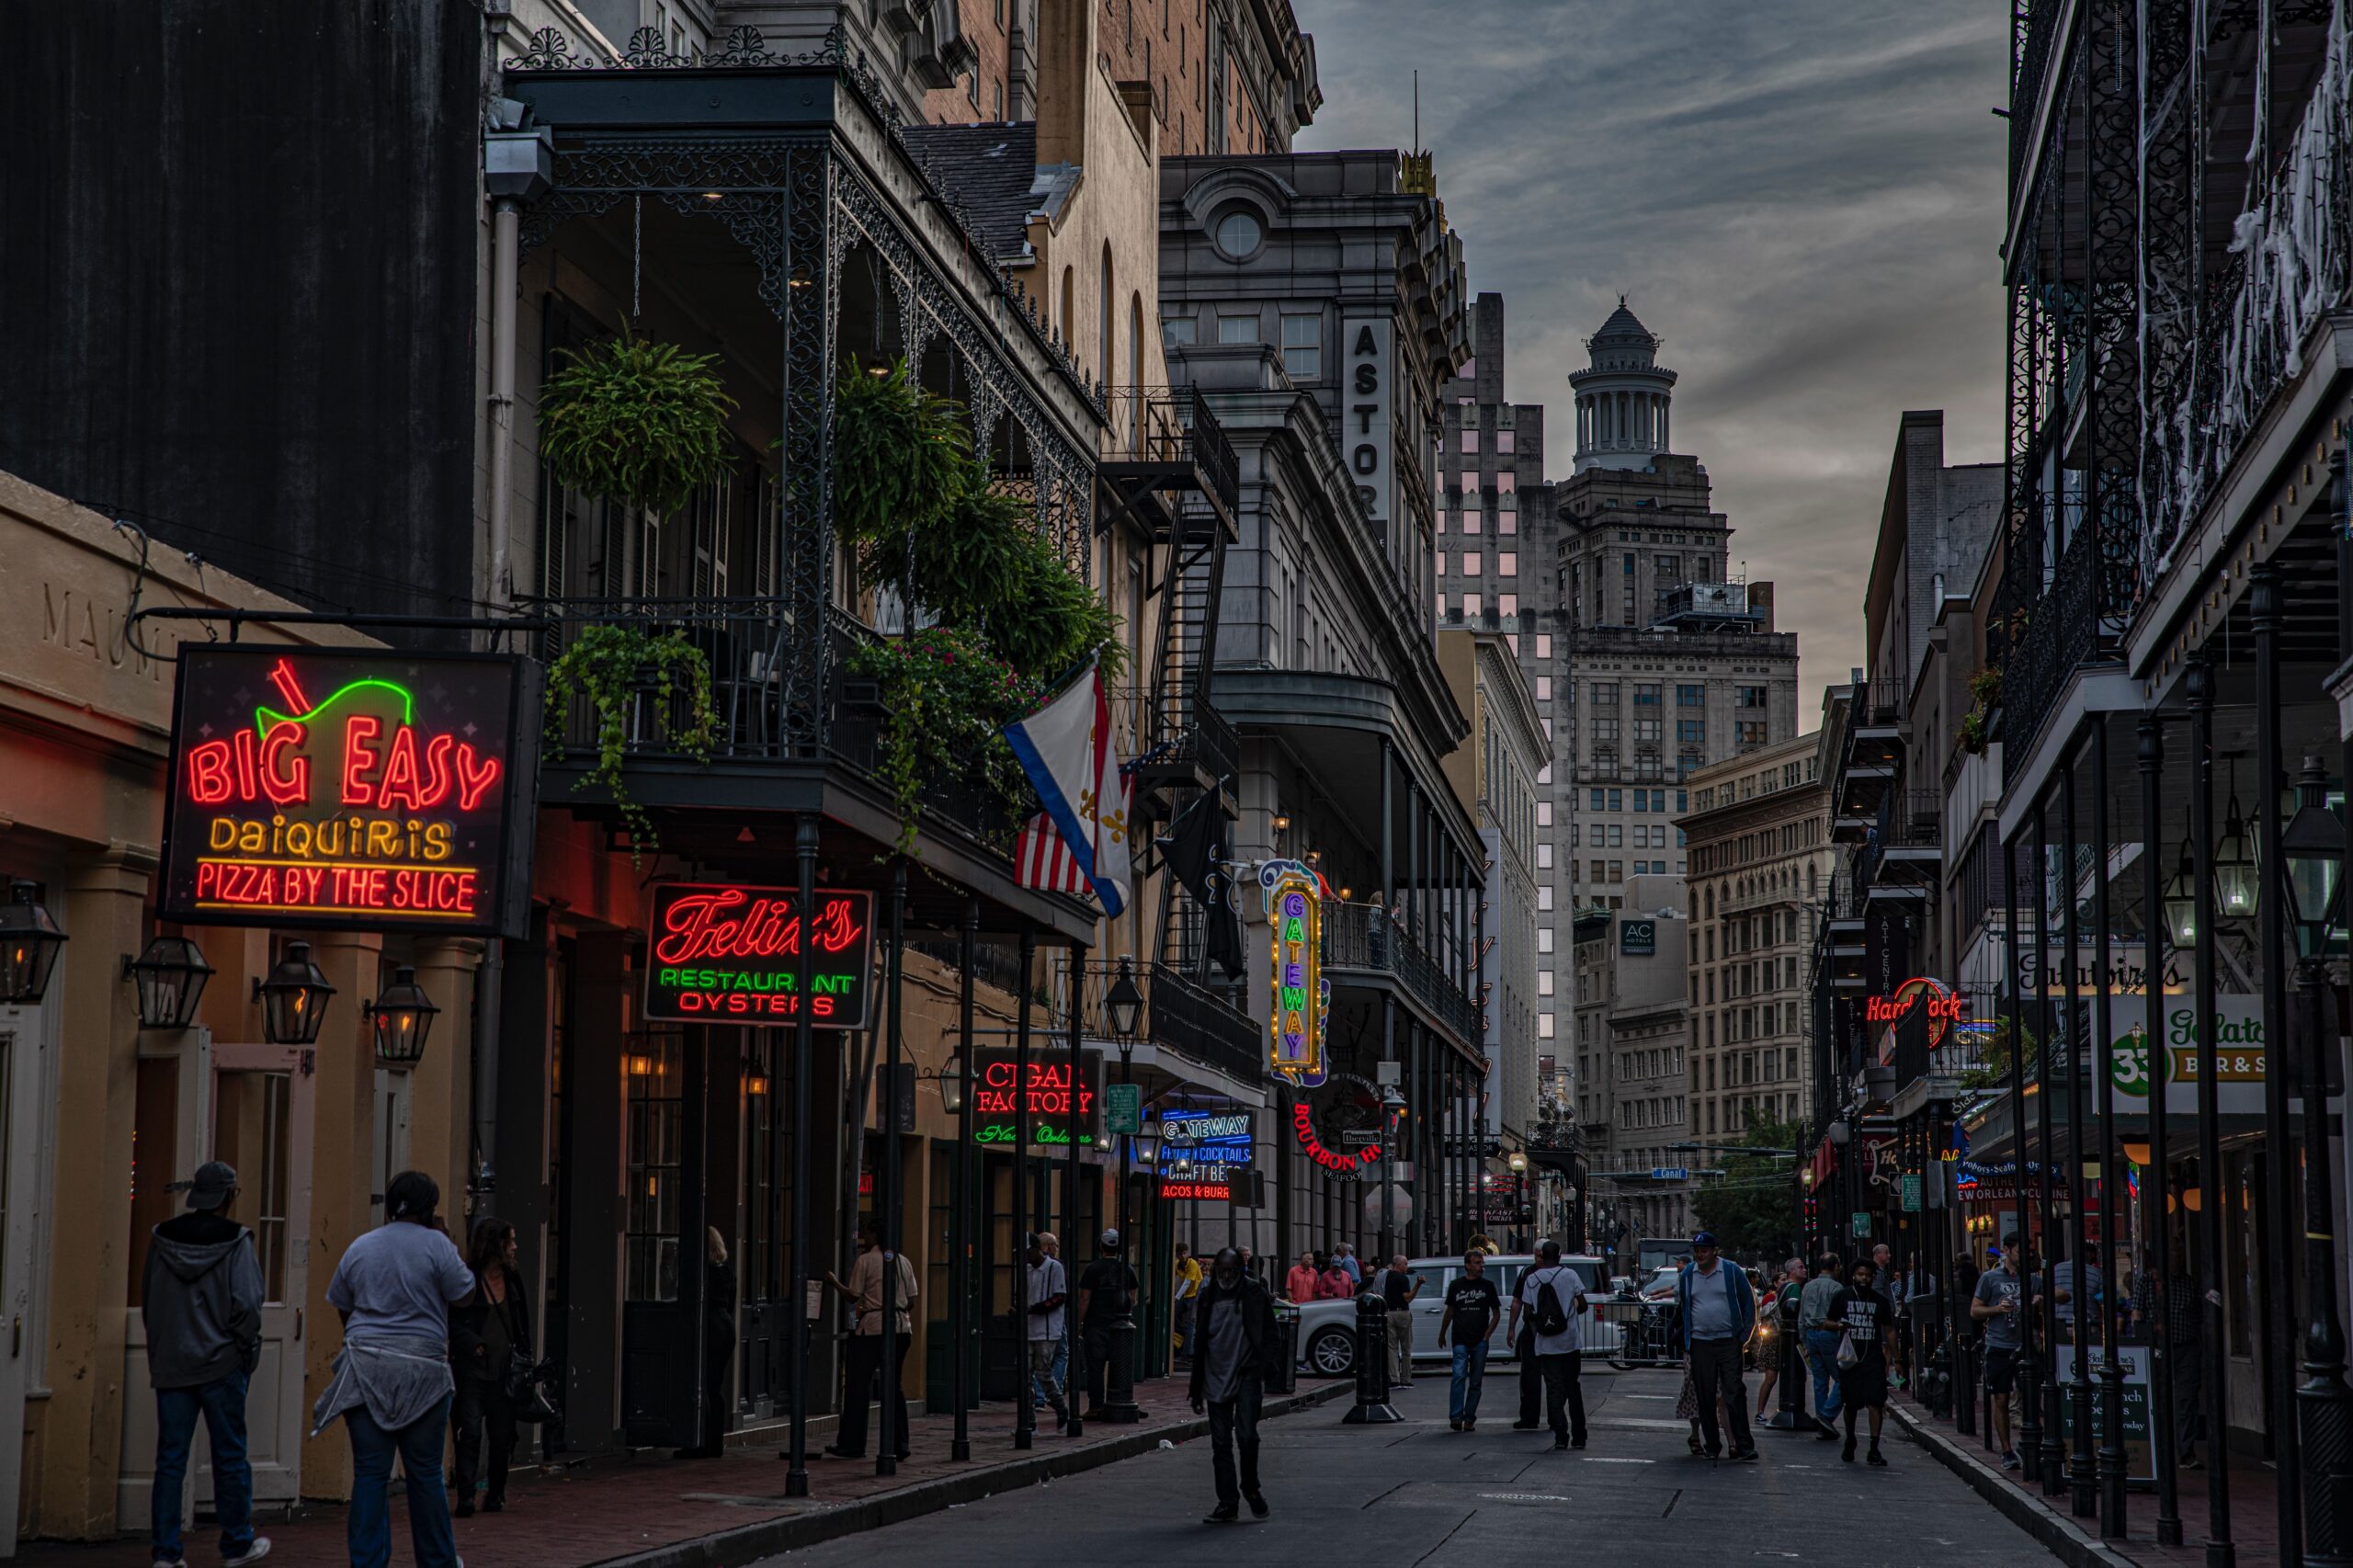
{"x": 622, "y": 1508}
{"x": 2254, "y": 1502}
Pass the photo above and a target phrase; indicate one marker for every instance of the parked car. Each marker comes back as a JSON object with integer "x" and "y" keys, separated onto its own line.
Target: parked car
{"x": 1328, "y": 1343}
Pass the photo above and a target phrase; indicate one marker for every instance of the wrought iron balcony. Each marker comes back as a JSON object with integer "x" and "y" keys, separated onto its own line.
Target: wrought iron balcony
{"x": 1180, "y": 1014}
{"x": 1177, "y": 740}
{"x": 749, "y": 647}
{"x": 2063, "y": 631}
{"x": 1367, "y": 936}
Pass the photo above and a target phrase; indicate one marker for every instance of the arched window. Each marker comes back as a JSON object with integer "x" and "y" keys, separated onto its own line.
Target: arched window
{"x": 1070, "y": 305}
{"x": 1103, "y": 318}
{"x": 1135, "y": 372}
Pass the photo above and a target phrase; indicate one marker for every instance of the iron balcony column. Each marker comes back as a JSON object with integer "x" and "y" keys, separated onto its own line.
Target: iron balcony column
{"x": 2111, "y": 1367}
{"x": 2053, "y": 1460}
{"x": 886, "y": 1188}
{"x": 2028, "y": 1436}
{"x": 796, "y": 1475}
{"x": 2279, "y": 1199}
{"x": 1025, "y": 1399}
{"x": 2325, "y": 1405}
{"x": 2083, "y": 1493}
{"x": 2155, "y": 1075}
{"x": 1075, "y": 1347}
{"x": 959, "y": 1236}
{"x": 2220, "y": 1550}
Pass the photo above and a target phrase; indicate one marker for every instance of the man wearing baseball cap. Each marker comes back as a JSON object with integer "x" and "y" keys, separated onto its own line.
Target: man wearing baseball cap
{"x": 1106, "y": 1289}
{"x": 201, "y": 1303}
{"x": 1719, "y": 1313}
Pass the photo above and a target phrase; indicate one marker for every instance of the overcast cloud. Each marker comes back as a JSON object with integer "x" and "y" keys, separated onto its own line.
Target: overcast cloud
{"x": 1802, "y": 196}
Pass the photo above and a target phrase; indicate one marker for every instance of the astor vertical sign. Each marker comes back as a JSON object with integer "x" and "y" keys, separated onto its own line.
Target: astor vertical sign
{"x": 1368, "y": 439}
{"x": 350, "y": 788}
{"x": 1295, "y": 929}
{"x": 732, "y": 955}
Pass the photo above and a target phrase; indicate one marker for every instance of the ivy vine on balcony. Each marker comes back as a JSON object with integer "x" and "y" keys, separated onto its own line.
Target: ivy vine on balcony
{"x": 631, "y": 677}
{"x": 1985, "y": 699}
{"x": 1006, "y": 619}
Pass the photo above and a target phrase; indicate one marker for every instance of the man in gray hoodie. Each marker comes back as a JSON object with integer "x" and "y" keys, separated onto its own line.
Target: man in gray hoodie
{"x": 201, "y": 1303}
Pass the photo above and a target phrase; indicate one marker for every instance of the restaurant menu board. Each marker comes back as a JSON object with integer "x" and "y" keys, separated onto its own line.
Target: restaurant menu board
{"x": 726, "y": 954}
{"x": 1052, "y": 1085}
{"x": 351, "y": 789}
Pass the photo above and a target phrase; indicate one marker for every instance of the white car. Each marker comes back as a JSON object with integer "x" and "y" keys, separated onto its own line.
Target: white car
{"x": 1328, "y": 1343}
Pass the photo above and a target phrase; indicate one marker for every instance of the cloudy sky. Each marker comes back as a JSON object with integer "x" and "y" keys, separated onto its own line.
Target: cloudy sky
{"x": 1802, "y": 196}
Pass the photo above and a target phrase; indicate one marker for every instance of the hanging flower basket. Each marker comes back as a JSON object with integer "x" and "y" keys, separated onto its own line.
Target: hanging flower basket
{"x": 636, "y": 422}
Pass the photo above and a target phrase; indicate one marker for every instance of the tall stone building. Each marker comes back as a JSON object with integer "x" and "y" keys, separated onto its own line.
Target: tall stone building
{"x": 1760, "y": 855}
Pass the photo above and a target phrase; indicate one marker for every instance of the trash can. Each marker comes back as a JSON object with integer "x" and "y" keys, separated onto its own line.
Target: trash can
{"x": 1287, "y": 1324}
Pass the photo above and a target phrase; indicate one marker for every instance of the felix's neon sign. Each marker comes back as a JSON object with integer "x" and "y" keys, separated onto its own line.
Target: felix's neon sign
{"x": 731, "y": 954}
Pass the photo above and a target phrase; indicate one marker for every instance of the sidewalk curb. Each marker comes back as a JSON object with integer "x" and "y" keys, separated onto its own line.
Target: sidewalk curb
{"x": 747, "y": 1542}
{"x": 2057, "y": 1531}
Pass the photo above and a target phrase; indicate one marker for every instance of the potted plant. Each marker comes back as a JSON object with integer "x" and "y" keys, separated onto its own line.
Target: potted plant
{"x": 634, "y": 421}
{"x": 625, "y": 674}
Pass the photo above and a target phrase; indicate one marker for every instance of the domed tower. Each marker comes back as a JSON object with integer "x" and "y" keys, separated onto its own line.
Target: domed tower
{"x": 1623, "y": 396}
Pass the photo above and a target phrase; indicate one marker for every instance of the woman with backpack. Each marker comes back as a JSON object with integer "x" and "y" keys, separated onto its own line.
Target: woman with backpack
{"x": 1552, "y": 1295}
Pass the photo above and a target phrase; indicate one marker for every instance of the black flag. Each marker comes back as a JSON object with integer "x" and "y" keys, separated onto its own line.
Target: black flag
{"x": 1194, "y": 851}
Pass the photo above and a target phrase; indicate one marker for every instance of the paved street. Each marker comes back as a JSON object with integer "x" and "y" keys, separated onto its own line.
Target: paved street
{"x": 1635, "y": 1496}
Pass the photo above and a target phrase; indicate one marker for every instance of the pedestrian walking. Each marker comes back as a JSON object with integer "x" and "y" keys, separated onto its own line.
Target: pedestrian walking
{"x": 200, "y": 1299}
{"x": 1864, "y": 1316}
{"x": 1552, "y": 1298}
{"x": 1473, "y": 1310}
{"x": 862, "y": 1357}
{"x": 489, "y": 1331}
{"x": 1347, "y": 1255}
{"x": 392, "y": 1382}
{"x": 1106, "y": 1293}
{"x": 1051, "y": 1245}
{"x": 1398, "y": 1288}
{"x": 1819, "y": 1343}
{"x": 2178, "y": 1346}
{"x": 2070, "y": 1279}
{"x": 1049, "y": 1291}
{"x": 1303, "y": 1280}
{"x": 1185, "y": 1285}
{"x": 1883, "y": 1268}
{"x": 1240, "y": 1351}
{"x": 1998, "y": 1307}
{"x": 718, "y": 1348}
{"x": 1718, "y": 1313}
{"x": 1336, "y": 1285}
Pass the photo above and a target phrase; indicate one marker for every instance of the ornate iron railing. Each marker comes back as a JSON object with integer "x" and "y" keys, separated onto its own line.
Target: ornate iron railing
{"x": 1179, "y": 1013}
{"x": 1173, "y": 427}
{"x": 2063, "y": 630}
{"x": 1366, "y": 936}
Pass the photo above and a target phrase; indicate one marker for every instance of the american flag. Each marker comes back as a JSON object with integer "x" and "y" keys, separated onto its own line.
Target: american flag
{"x": 1044, "y": 861}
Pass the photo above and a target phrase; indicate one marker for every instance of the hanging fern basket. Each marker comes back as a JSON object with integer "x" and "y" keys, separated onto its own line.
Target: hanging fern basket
{"x": 634, "y": 421}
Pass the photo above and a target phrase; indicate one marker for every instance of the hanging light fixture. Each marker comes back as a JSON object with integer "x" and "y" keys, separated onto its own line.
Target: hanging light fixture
{"x": 951, "y": 1085}
{"x": 30, "y": 939}
{"x": 2235, "y": 882}
{"x": 1147, "y": 1140}
{"x": 2181, "y": 903}
{"x": 403, "y": 1016}
{"x": 170, "y": 977}
{"x": 2312, "y": 844}
{"x": 293, "y": 998}
{"x": 1124, "y": 1002}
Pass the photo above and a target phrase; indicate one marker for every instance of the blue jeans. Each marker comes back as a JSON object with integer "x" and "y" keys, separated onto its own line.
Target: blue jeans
{"x": 370, "y": 1526}
{"x": 1469, "y": 1375}
{"x": 1821, "y": 1360}
{"x": 221, "y": 1403}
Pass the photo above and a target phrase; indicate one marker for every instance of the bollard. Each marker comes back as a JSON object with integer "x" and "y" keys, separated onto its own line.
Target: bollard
{"x": 1372, "y": 1407}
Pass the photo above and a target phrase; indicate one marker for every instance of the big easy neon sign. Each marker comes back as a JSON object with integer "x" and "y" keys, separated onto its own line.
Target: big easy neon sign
{"x": 363, "y": 789}
{"x": 733, "y": 955}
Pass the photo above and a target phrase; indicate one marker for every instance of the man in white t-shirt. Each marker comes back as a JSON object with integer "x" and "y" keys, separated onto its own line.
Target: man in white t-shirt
{"x": 1551, "y": 1296}
{"x": 1048, "y": 1293}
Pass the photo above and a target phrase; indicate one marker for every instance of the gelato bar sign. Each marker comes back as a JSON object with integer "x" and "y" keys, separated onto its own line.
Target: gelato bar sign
{"x": 356, "y": 789}
{"x": 733, "y": 955}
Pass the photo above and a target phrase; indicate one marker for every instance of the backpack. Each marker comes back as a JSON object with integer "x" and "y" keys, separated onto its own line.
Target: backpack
{"x": 1552, "y": 1318}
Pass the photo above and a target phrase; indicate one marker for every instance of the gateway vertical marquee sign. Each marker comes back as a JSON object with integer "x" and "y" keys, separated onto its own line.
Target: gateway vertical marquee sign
{"x": 363, "y": 789}
{"x": 1301, "y": 994}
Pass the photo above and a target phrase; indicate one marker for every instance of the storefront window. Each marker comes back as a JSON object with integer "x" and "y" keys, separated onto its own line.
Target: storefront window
{"x": 250, "y": 1132}
{"x": 655, "y": 1068}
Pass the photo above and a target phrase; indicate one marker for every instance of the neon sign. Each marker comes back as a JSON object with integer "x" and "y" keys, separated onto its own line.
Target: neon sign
{"x": 1945, "y": 1010}
{"x": 732, "y": 955}
{"x": 1201, "y": 1150}
{"x": 1341, "y": 1162}
{"x": 1301, "y": 995}
{"x": 339, "y": 787}
{"x": 1052, "y": 1084}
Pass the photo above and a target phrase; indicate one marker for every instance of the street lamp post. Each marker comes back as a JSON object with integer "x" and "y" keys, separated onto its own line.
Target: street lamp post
{"x": 2314, "y": 848}
{"x": 1124, "y": 1005}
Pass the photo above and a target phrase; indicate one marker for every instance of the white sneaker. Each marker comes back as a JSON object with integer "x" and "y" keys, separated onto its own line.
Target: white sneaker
{"x": 254, "y": 1553}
